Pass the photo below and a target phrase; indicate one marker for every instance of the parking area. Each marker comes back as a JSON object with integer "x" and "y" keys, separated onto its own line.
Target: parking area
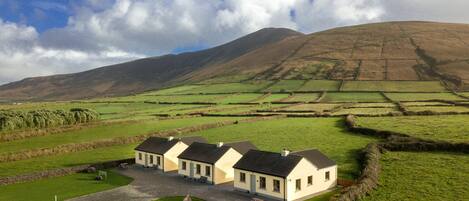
{"x": 150, "y": 184}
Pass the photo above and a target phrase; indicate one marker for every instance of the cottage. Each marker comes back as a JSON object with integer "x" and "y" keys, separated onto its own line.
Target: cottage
{"x": 161, "y": 153}
{"x": 285, "y": 176}
{"x": 212, "y": 163}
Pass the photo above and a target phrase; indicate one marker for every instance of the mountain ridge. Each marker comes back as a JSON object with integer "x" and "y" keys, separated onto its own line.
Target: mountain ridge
{"x": 409, "y": 50}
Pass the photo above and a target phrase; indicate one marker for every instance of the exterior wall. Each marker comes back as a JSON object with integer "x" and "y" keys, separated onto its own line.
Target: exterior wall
{"x": 224, "y": 171}
{"x": 146, "y": 159}
{"x": 267, "y": 192}
{"x": 170, "y": 157}
{"x": 302, "y": 171}
{"x": 195, "y": 176}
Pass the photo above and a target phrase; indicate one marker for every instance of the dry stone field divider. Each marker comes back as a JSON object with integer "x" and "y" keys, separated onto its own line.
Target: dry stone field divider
{"x": 392, "y": 141}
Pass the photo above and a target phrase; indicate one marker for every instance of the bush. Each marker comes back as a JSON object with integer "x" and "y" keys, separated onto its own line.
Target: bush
{"x": 13, "y": 120}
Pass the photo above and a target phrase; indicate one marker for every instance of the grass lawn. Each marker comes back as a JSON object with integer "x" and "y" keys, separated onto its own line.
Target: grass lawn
{"x": 353, "y": 97}
{"x": 326, "y": 134}
{"x": 67, "y": 160}
{"x": 285, "y": 86}
{"x": 403, "y": 86}
{"x": 450, "y": 128}
{"x": 324, "y": 197}
{"x": 65, "y": 187}
{"x": 422, "y": 176}
{"x": 422, "y": 96}
{"x": 105, "y": 132}
{"x": 178, "y": 198}
{"x": 320, "y": 85}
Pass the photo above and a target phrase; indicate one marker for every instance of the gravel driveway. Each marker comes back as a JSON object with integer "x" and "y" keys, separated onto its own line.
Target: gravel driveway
{"x": 150, "y": 184}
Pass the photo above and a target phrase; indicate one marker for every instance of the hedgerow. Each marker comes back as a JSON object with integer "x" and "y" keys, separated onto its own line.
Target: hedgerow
{"x": 14, "y": 120}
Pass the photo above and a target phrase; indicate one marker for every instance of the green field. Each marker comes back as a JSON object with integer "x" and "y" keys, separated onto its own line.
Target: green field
{"x": 300, "y": 97}
{"x": 320, "y": 85}
{"x": 353, "y": 97}
{"x": 448, "y": 128}
{"x": 254, "y": 86}
{"x": 422, "y": 176}
{"x": 394, "y": 86}
{"x": 439, "y": 109}
{"x": 363, "y": 111}
{"x": 63, "y": 187}
{"x": 422, "y": 96}
{"x": 326, "y": 134}
{"x": 105, "y": 132}
{"x": 241, "y": 98}
{"x": 424, "y": 104}
{"x": 273, "y": 97}
{"x": 285, "y": 86}
{"x": 318, "y": 107}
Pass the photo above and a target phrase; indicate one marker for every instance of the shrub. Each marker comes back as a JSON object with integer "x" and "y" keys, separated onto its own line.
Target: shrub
{"x": 13, "y": 120}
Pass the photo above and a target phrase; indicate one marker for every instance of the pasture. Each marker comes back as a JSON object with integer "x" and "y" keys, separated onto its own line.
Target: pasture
{"x": 427, "y": 176}
{"x": 394, "y": 86}
{"x": 353, "y": 97}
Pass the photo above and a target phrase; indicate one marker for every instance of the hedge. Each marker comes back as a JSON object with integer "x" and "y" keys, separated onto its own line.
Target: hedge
{"x": 14, "y": 120}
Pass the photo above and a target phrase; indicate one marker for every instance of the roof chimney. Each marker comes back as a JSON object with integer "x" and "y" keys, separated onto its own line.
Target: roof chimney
{"x": 285, "y": 152}
{"x": 220, "y": 144}
{"x": 170, "y": 138}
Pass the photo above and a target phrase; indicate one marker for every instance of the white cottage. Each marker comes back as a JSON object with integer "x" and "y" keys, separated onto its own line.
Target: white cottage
{"x": 161, "y": 153}
{"x": 285, "y": 176}
{"x": 212, "y": 163}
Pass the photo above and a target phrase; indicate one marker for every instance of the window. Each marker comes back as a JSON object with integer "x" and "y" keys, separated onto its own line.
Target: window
{"x": 276, "y": 185}
{"x": 242, "y": 177}
{"x": 184, "y": 165}
{"x": 197, "y": 169}
{"x": 262, "y": 182}
{"x": 151, "y": 159}
{"x": 139, "y": 156}
{"x": 207, "y": 170}
{"x": 158, "y": 160}
{"x": 310, "y": 180}
{"x": 298, "y": 185}
{"x": 328, "y": 176}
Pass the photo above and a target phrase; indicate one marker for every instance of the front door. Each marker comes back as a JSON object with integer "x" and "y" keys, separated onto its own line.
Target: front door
{"x": 253, "y": 183}
{"x": 191, "y": 169}
{"x": 146, "y": 160}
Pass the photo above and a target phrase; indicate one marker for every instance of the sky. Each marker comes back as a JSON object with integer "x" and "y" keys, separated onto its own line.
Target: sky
{"x": 46, "y": 37}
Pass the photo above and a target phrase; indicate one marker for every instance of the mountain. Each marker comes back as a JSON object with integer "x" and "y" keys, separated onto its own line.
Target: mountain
{"x": 380, "y": 51}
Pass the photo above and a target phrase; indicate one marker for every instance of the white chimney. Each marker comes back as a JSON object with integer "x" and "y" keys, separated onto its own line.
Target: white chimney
{"x": 285, "y": 152}
{"x": 220, "y": 144}
{"x": 170, "y": 138}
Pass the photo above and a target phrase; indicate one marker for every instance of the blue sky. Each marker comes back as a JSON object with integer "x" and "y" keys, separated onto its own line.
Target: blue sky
{"x": 45, "y": 37}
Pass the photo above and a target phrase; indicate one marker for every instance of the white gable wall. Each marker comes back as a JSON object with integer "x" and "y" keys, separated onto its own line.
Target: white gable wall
{"x": 302, "y": 171}
{"x": 224, "y": 171}
{"x": 170, "y": 157}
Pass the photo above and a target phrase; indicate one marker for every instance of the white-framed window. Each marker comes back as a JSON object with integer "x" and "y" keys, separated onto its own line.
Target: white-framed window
{"x": 310, "y": 180}
{"x": 328, "y": 176}
{"x": 197, "y": 169}
{"x": 184, "y": 165}
{"x": 298, "y": 185}
{"x": 140, "y": 156}
{"x": 151, "y": 159}
{"x": 262, "y": 182}
{"x": 207, "y": 171}
{"x": 158, "y": 160}
{"x": 276, "y": 187}
{"x": 242, "y": 177}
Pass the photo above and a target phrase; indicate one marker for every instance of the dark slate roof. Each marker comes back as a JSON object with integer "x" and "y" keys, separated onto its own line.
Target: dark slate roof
{"x": 275, "y": 164}
{"x": 159, "y": 145}
{"x": 203, "y": 152}
{"x": 316, "y": 157}
{"x": 270, "y": 163}
{"x": 242, "y": 147}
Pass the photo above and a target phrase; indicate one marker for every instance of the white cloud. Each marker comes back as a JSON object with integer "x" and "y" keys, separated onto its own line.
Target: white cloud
{"x": 108, "y": 31}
